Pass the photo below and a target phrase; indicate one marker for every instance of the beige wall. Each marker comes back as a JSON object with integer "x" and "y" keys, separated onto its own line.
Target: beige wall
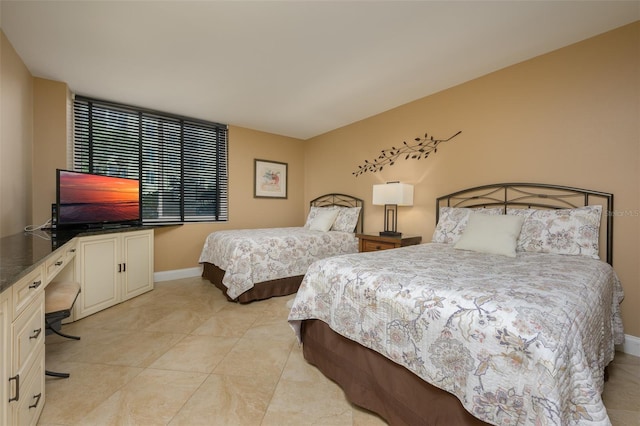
{"x": 16, "y": 140}
{"x": 244, "y": 211}
{"x": 570, "y": 117}
{"x": 49, "y": 143}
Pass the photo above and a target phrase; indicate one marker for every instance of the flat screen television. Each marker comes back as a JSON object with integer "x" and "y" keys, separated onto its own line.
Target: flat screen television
{"x": 86, "y": 200}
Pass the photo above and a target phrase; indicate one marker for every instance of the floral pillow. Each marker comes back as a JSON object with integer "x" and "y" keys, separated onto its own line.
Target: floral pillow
{"x": 347, "y": 219}
{"x": 562, "y": 231}
{"x": 453, "y": 221}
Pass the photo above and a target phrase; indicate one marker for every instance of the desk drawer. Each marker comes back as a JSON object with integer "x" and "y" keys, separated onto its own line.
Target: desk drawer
{"x": 377, "y": 245}
{"x": 26, "y": 290}
{"x": 59, "y": 260}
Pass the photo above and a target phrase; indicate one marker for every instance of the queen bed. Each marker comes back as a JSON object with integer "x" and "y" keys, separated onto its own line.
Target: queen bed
{"x": 255, "y": 264}
{"x": 514, "y": 328}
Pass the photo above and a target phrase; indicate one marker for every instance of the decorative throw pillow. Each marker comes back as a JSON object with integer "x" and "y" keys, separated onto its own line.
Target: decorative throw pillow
{"x": 313, "y": 212}
{"x": 562, "y": 231}
{"x": 347, "y": 219}
{"x": 323, "y": 220}
{"x": 491, "y": 234}
{"x": 453, "y": 221}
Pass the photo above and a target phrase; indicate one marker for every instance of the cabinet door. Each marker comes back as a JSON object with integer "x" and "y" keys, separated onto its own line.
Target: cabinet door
{"x": 6, "y": 387}
{"x": 97, "y": 270}
{"x": 137, "y": 263}
{"x": 32, "y": 395}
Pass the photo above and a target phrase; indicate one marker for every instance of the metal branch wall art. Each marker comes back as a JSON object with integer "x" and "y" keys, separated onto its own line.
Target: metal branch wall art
{"x": 419, "y": 148}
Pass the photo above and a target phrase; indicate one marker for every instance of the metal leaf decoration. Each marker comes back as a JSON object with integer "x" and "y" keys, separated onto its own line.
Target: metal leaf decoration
{"x": 418, "y": 149}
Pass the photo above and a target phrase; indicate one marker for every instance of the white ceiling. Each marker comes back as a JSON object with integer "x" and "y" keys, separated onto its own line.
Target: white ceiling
{"x": 294, "y": 68}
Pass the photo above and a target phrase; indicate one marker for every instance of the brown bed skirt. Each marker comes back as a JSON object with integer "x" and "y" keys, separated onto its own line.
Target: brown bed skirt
{"x": 374, "y": 382}
{"x": 262, "y": 290}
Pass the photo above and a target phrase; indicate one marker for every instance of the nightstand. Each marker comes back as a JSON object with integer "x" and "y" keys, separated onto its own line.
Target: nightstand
{"x": 376, "y": 242}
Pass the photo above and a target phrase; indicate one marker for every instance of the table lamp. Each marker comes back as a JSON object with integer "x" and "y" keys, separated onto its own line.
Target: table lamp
{"x": 391, "y": 195}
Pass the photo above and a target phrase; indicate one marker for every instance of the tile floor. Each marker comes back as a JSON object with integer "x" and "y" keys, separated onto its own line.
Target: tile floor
{"x": 183, "y": 355}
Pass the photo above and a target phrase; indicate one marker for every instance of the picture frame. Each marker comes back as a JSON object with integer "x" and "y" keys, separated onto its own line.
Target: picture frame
{"x": 270, "y": 179}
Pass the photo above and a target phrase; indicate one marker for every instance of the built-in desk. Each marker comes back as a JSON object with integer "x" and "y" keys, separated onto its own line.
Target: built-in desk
{"x": 29, "y": 261}
{"x": 23, "y": 252}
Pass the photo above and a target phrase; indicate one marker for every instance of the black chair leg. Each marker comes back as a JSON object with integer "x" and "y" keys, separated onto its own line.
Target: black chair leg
{"x": 55, "y": 374}
{"x": 59, "y": 333}
{"x": 51, "y": 325}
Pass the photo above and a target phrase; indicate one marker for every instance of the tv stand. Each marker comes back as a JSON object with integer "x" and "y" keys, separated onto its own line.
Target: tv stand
{"x": 101, "y": 227}
{"x": 115, "y": 226}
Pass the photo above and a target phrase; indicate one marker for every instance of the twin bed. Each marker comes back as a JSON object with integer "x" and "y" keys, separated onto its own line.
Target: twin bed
{"x": 514, "y": 328}
{"x": 255, "y": 264}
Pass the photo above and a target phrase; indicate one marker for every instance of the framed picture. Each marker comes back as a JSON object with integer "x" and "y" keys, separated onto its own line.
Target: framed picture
{"x": 270, "y": 179}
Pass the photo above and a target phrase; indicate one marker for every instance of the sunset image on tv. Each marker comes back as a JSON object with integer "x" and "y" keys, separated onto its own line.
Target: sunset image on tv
{"x": 88, "y": 198}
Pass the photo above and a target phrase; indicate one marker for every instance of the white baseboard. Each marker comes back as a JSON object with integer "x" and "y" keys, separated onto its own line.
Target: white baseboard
{"x": 630, "y": 346}
{"x": 177, "y": 274}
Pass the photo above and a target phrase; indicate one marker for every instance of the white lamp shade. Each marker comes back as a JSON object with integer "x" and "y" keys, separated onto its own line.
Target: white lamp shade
{"x": 397, "y": 193}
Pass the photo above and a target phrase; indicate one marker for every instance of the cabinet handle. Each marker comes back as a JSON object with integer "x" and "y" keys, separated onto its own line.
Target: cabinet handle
{"x": 17, "y": 379}
{"x": 124, "y": 267}
{"x": 35, "y": 404}
{"x": 35, "y": 284}
{"x": 72, "y": 250}
{"x": 58, "y": 263}
{"x": 119, "y": 267}
{"x": 378, "y": 247}
{"x": 36, "y": 333}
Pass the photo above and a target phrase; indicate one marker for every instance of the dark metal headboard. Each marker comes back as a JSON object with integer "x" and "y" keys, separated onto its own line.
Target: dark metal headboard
{"x": 533, "y": 195}
{"x": 341, "y": 200}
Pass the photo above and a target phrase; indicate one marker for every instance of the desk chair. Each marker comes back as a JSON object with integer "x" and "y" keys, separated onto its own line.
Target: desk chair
{"x": 59, "y": 298}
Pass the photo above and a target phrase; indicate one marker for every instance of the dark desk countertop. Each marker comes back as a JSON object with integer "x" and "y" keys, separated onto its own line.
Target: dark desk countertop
{"x": 22, "y": 253}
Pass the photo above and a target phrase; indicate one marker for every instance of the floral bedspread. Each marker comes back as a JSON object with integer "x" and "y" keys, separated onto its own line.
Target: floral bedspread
{"x": 250, "y": 256}
{"x": 518, "y": 340}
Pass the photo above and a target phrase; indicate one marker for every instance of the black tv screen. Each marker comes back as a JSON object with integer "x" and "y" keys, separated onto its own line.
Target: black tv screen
{"x": 91, "y": 199}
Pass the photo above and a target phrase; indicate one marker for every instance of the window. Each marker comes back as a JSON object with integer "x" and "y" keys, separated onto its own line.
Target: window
{"x": 180, "y": 162}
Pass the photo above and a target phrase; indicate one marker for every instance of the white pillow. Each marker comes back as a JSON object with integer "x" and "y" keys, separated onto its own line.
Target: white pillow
{"x": 313, "y": 212}
{"x": 561, "y": 231}
{"x": 347, "y": 219}
{"x": 453, "y": 220}
{"x": 323, "y": 220}
{"x": 491, "y": 234}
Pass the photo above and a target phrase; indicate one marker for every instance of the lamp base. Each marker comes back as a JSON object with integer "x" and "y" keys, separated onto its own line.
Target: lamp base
{"x": 390, "y": 234}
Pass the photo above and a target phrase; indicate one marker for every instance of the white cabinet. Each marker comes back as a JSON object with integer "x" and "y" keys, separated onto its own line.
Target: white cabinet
{"x": 112, "y": 268}
{"x": 96, "y": 260}
{"x": 137, "y": 255}
{"x": 22, "y": 358}
{"x": 28, "y": 364}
